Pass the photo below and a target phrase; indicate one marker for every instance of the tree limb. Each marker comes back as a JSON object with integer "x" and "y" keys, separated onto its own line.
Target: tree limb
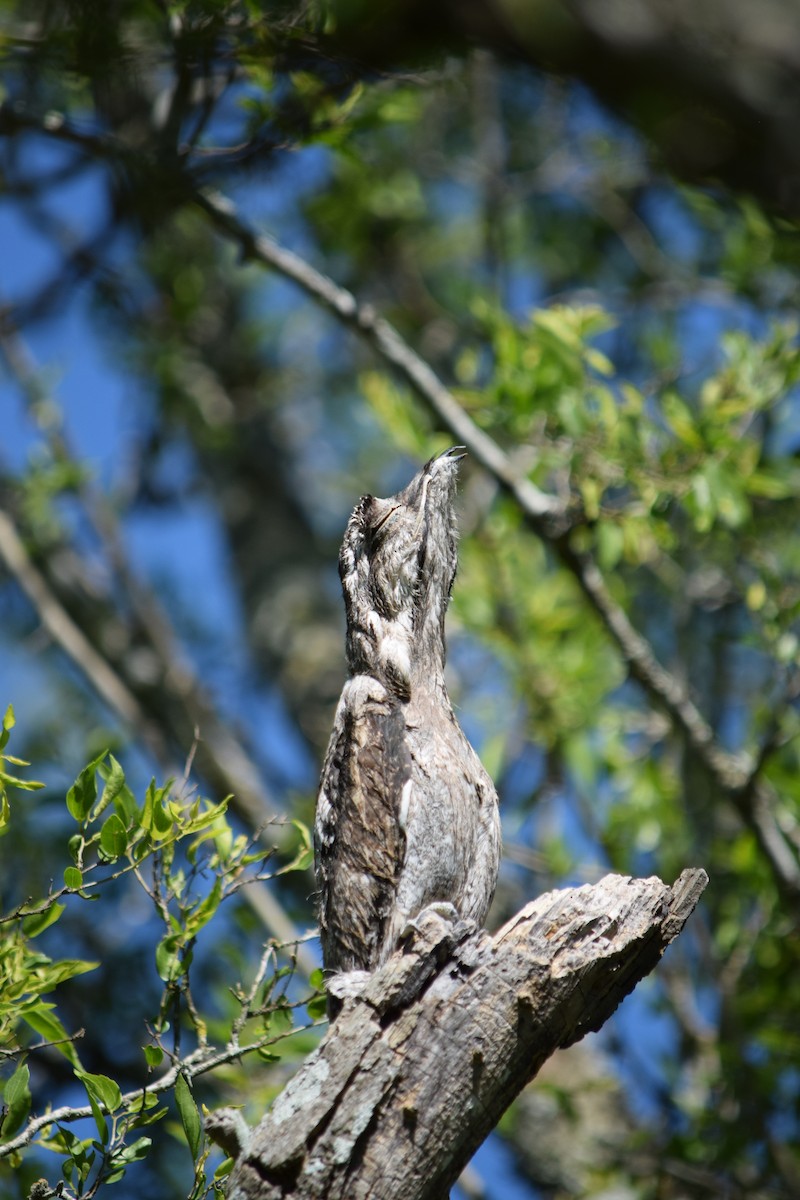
{"x": 199, "y": 1062}
{"x": 549, "y": 518}
{"x": 418, "y": 1069}
{"x": 391, "y": 347}
{"x": 70, "y": 637}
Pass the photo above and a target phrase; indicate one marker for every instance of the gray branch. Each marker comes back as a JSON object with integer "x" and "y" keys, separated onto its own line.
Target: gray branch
{"x": 418, "y": 1069}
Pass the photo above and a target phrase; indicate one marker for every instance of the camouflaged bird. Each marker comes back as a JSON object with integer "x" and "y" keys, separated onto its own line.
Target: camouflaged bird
{"x": 406, "y": 814}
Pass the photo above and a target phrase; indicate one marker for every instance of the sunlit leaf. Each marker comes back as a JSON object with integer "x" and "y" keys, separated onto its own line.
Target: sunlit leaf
{"x": 34, "y": 925}
{"x": 17, "y": 1099}
{"x": 190, "y": 1117}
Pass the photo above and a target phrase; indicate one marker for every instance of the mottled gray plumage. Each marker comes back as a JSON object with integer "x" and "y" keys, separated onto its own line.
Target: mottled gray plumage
{"x": 406, "y": 814}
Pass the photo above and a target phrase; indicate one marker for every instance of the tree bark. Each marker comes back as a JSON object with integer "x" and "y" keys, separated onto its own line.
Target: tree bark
{"x": 418, "y": 1068}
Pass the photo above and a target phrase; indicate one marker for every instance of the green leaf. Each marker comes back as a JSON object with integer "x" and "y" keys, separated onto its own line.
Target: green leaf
{"x": 47, "y": 1025}
{"x": 37, "y": 923}
{"x": 205, "y": 910}
{"x": 56, "y": 1144}
{"x": 126, "y": 806}
{"x": 610, "y": 544}
{"x": 25, "y": 785}
{"x": 156, "y": 819}
{"x": 190, "y": 1117}
{"x": 114, "y": 777}
{"x": 168, "y": 963}
{"x": 73, "y": 878}
{"x": 771, "y": 486}
{"x": 154, "y": 1055}
{"x": 68, "y": 968}
{"x": 100, "y": 1122}
{"x": 681, "y": 420}
{"x": 205, "y": 819}
{"x": 104, "y": 1090}
{"x": 83, "y": 793}
{"x": 17, "y": 1098}
{"x": 133, "y": 1153}
{"x": 304, "y": 857}
{"x": 113, "y": 838}
{"x": 9, "y": 721}
{"x": 70, "y": 1141}
{"x": 317, "y": 1007}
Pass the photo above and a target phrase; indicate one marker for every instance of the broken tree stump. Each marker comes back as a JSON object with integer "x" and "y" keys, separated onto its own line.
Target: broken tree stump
{"x": 418, "y": 1068}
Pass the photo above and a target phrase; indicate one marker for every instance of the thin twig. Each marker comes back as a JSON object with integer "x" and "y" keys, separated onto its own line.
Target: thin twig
{"x": 199, "y": 1062}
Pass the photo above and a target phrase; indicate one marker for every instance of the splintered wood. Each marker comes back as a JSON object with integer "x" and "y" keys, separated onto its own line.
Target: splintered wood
{"x": 419, "y": 1067}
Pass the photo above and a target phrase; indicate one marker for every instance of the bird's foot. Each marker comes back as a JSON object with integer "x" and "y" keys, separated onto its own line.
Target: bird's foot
{"x": 437, "y": 929}
{"x": 347, "y": 984}
{"x": 439, "y": 908}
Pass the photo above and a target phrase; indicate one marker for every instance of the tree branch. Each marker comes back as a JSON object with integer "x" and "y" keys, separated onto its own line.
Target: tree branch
{"x": 548, "y": 517}
{"x": 417, "y": 1070}
{"x": 68, "y": 635}
{"x": 199, "y": 1062}
{"x": 391, "y": 347}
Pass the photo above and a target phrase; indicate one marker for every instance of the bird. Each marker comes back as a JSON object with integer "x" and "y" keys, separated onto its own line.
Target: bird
{"x": 406, "y": 816}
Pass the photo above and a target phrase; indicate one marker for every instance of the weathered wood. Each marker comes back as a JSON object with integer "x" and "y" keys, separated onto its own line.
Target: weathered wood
{"x": 418, "y": 1068}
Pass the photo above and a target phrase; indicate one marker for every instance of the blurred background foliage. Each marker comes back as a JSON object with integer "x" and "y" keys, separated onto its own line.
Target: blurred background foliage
{"x": 497, "y": 187}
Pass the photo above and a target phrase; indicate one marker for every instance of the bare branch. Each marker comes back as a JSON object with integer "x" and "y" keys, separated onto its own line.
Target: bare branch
{"x": 199, "y": 1062}
{"x": 385, "y": 339}
{"x": 66, "y": 634}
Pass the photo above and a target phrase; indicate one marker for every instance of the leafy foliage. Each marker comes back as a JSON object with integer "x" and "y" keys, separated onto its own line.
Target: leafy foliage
{"x": 188, "y": 861}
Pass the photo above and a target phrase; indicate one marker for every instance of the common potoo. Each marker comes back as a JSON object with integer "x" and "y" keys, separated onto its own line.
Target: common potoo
{"x": 406, "y": 814}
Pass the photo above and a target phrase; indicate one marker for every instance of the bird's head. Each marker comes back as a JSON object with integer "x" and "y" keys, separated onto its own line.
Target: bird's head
{"x": 397, "y": 565}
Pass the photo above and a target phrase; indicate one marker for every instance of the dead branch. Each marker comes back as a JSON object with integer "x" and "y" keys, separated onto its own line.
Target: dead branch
{"x": 418, "y": 1068}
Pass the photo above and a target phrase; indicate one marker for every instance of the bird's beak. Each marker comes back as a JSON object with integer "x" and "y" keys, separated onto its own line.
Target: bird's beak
{"x": 454, "y": 453}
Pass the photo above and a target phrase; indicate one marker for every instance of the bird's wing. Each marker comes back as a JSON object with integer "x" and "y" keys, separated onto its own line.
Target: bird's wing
{"x": 359, "y": 839}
